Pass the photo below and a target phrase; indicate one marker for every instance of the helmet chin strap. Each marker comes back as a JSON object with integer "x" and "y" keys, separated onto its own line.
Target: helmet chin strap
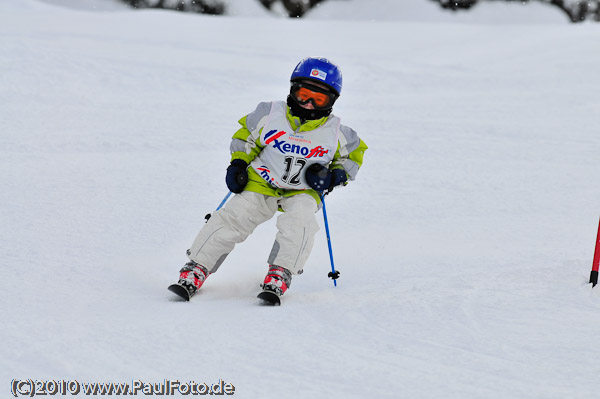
{"x": 306, "y": 114}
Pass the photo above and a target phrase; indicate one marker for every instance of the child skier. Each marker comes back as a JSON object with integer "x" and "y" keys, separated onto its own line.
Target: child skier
{"x": 282, "y": 158}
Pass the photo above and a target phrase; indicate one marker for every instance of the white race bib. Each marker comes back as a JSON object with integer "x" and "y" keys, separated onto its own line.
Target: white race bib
{"x": 286, "y": 154}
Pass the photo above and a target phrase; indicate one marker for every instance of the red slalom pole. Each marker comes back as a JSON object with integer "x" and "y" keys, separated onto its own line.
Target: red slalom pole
{"x": 596, "y": 263}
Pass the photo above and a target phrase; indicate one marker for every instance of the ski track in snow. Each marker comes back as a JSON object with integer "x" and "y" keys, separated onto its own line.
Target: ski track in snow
{"x": 464, "y": 245}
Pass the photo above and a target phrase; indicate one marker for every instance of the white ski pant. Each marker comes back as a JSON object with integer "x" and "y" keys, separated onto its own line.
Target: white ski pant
{"x": 239, "y": 217}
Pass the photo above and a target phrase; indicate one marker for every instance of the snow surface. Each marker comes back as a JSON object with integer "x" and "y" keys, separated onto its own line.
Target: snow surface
{"x": 464, "y": 245}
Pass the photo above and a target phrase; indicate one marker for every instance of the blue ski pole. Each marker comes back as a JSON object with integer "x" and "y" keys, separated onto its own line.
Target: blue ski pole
{"x": 224, "y": 200}
{"x": 208, "y": 215}
{"x": 333, "y": 274}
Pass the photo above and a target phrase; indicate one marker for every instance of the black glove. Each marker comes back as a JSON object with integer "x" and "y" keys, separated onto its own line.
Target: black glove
{"x": 320, "y": 178}
{"x": 237, "y": 176}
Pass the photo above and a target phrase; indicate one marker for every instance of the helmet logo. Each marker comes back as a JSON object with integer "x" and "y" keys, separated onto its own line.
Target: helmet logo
{"x": 317, "y": 73}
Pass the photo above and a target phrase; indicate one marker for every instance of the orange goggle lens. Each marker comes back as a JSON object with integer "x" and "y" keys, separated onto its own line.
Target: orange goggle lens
{"x": 320, "y": 100}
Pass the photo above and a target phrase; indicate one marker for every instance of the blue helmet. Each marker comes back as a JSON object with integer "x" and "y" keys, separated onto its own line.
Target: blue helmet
{"x": 320, "y": 70}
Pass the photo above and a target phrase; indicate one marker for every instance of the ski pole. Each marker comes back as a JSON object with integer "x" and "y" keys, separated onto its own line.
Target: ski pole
{"x": 208, "y": 215}
{"x": 224, "y": 200}
{"x": 596, "y": 263}
{"x": 333, "y": 274}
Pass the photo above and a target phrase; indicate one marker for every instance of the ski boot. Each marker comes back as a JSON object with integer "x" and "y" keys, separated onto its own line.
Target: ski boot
{"x": 191, "y": 278}
{"x": 276, "y": 283}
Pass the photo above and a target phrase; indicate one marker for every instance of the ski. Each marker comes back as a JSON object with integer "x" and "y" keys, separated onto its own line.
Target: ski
{"x": 269, "y": 298}
{"x": 180, "y": 291}
{"x": 266, "y": 297}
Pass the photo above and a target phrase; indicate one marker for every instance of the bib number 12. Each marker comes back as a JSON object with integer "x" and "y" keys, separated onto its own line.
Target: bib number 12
{"x": 293, "y": 169}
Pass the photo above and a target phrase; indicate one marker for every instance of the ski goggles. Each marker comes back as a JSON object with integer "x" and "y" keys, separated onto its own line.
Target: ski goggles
{"x": 320, "y": 98}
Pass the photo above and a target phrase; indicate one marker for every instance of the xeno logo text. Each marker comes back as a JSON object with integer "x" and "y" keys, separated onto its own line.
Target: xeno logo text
{"x": 285, "y": 148}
